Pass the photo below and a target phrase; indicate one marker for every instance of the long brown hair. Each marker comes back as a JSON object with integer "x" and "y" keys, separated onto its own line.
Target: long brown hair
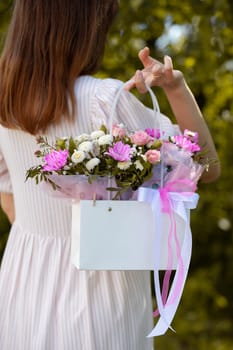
{"x": 49, "y": 44}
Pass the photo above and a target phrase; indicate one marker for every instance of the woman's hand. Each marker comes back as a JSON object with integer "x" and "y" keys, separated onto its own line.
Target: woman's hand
{"x": 7, "y": 205}
{"x": 155, "y": 73}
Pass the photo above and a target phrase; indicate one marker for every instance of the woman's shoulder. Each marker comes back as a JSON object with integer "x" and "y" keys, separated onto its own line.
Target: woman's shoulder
{"x": 98, "y": 80}
{"x": 99, "y": 85}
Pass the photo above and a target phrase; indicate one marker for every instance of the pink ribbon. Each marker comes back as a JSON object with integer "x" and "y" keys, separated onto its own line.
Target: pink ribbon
{"x": 176, "y": 197}
{"x": 173, "y": 186}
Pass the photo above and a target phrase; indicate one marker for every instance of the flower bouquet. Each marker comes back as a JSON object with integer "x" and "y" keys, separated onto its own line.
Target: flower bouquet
{"x": 117, "y": 162}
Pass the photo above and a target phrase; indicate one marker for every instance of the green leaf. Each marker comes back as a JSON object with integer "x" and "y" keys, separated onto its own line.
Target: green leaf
{"x": 72, "y": 146}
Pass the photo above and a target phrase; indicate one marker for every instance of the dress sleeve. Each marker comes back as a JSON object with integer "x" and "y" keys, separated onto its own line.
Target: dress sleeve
{"x": 5, "y": 180}
{"x": 129, "y": 111}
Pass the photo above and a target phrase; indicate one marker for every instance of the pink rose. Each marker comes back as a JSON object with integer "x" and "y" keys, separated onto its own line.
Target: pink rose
{"x": 140, "y": 138}
{"x": 118, "y": 131}
{"x": 153, "y": 156}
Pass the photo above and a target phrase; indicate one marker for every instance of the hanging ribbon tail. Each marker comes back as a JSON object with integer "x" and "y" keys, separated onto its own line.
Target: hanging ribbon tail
{"x": 171, "y": 306}
{"x": 152, "y": 196}
{"x": 181, "y": 203}
{"x": 167, "y": 208}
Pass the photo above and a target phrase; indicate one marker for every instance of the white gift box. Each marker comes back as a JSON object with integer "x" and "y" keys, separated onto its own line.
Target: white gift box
{"x": 123, "y": 235}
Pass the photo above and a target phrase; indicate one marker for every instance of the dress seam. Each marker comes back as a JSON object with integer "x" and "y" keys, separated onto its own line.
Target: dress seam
{"x": 16, "y": 227}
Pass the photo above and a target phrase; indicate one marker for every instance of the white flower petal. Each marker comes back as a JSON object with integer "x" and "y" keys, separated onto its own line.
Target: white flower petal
{"x": 82, "y": 138}
{"x": 97, "y": 134}
{"x": 85, "y": 146}
{"x": 92, "y": 163}
{"x": 124, "y": 165}
{"x": 138, "y": 165}
{"x": 105, "y": 140}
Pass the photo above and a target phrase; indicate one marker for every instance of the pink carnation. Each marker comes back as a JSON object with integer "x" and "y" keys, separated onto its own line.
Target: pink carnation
{"x": 193, "y": 136}
{"x": 140, "y": 138}
{"x": 153, "y": 156}
{"x": 55, "y": 160}
{"x": 155, "y": 133}
{"x": 120, "y": 152}
{"x": 183, "y": 142}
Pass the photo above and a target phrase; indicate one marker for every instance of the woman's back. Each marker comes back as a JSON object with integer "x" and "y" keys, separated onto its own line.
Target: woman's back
{"x": 35, "y": 210}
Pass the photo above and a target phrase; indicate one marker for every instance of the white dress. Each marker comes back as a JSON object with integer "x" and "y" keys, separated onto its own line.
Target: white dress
{"x": 45, "y": 302}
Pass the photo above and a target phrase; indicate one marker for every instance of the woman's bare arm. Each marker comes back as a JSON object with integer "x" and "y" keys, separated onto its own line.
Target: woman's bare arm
{"x": 182, "y": 102}
{"x": 7, "y": 205}
{"x": 189, "y": 116}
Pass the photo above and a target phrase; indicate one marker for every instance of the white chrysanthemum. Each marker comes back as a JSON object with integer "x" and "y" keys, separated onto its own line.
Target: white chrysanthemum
{"x": 85, "y": 146}
{"x": 82, "y": 138}
{"x": 138, "y": 165}
{"x": 92, "y": 163}
{"x": 96, "y": 148}
{"x": 105, "y": 140}
{"x": 124, "y": 165}
{"x": 97, "y": 134}
{"x": 78, "y": 156}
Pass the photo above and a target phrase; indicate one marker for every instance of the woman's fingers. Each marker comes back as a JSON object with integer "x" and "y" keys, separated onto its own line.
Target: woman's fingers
{"x": 144, "y": 56}
{"x": 157, "y": 70}
{"x": 130, "y": 84}
{"x": 168, "y": 63}
{"x": 139, "y": 82}
{"x": 168, "y": 66}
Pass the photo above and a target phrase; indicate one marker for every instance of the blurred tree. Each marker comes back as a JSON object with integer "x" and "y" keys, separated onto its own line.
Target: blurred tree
{"x": 198, "y": 34}
{"x": 5, "y": 14}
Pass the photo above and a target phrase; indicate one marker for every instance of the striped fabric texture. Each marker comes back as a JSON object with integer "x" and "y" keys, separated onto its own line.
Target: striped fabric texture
{"x": 45, "y": 302}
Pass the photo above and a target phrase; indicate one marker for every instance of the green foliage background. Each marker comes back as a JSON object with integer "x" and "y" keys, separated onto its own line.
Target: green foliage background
{"x": 199, "y": 37}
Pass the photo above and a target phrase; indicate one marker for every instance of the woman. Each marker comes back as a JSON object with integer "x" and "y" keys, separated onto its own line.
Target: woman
{"x": 46, "y": 87}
